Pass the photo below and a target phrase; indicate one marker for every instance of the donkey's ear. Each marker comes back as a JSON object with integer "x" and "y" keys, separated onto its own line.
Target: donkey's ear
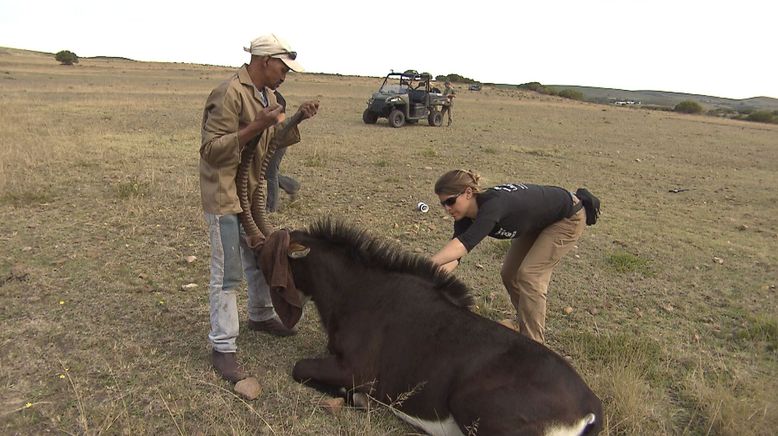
{"x": 297, "y": 251}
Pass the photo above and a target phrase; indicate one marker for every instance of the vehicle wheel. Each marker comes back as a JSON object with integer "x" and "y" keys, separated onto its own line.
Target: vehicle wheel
{"x": 435, "y": 119}
{"x": 397, "y": 118}
{"x": 369, "y": 117}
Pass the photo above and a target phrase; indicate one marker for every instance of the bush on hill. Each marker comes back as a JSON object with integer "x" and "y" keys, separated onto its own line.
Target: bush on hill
{"x": 453, "y": 77}
{"x": 762, "y": 117}
{"x": 537, "y": 87}
{"x": 571, "y": 94}
{"x": 66, "y": 57}
{"x": 688, "y": 107}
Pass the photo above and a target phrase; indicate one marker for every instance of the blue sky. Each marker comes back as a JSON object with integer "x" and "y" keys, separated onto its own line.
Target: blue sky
{"x": 724, "y": 49}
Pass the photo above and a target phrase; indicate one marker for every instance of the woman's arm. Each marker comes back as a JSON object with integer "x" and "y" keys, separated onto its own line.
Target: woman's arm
{"x": 448, "y": 256}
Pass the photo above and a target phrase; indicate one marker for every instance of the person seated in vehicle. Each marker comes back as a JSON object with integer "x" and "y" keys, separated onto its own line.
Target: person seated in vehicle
{"x": 417, "y": 95}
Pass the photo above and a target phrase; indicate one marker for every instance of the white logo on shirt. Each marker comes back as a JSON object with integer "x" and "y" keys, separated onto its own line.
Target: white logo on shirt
{"x": 510, "y": 187}
{"x": 502, "y": 233}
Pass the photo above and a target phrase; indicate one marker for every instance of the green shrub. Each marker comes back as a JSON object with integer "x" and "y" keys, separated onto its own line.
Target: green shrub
{"x": 537, "y": 87}
{"x": 571, "y": 94}
{"x": 532, "y": 86}
{"x": 761, "y": 117}
{"x": 453, "y": 77}
{"x": 66, "y": 57}
{"x": 688, "y": 107}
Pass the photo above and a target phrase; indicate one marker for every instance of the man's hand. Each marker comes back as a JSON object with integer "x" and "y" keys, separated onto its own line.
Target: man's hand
{"x": 309, "y": 109}
{"x": 267, "y": 117}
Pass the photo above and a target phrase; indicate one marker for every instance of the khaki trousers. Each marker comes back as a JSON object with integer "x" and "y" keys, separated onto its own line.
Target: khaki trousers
{"x": 526, "y": 271}
{"x": 447, "y": 111}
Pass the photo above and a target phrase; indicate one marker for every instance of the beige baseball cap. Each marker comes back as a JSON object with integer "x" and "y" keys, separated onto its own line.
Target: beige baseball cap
{"x": 273, "y": 46}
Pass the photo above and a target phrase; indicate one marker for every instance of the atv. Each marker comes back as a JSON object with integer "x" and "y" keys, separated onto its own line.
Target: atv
{"x": 406, "y": 98}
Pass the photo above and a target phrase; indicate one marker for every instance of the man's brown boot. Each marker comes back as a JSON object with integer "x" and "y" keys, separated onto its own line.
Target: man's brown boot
{"x": 274, "y": 326}
{"x": 226, "y": 364}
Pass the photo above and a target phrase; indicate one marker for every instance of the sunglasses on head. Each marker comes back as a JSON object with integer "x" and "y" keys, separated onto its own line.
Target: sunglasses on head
{"x": 291, "y": 54}
{"x": 448, "y": 202}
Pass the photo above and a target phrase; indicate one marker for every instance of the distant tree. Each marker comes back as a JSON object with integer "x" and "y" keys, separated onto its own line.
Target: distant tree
{"x": 66, "y": 57}
{"x": 441, "y": 78}
{"x": 532, "y": 86}
{"x": 571, "y": 94}
{"x": 453, "y": 77}
{"x": 688, "y": 107}
{"x": 537, "y": 87}
{"x": 760, "y": 117}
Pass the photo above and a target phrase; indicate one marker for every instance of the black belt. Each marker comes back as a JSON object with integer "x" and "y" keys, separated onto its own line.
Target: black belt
{"x": 576, "y": 207}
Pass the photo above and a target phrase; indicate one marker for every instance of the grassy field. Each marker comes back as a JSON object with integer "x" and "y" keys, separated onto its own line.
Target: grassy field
{"x": 674, "y": 320}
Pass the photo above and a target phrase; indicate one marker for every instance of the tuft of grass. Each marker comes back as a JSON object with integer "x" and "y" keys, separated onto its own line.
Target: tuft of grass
{"x": 628, "y": 369}
{"x": 631, "y": 403}
{"x": 732, "y": 405}
{"x": 429, "y": 152}
{"x": 132, "y": 189}
{"x": 640, "y": 353}
{"x": 760, "y": 331}
{"x": 381, "y": 163}
{"x": 624, "y": 262}
{"x": 316, "y": 160}
{"x": 25, "y": 198}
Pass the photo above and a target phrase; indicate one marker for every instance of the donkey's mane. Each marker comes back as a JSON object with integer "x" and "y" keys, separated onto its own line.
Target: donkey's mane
{"x": 375, "y": 252}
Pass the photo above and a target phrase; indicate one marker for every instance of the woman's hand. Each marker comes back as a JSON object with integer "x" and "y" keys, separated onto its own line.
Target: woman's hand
{"x": 448, "y": 256}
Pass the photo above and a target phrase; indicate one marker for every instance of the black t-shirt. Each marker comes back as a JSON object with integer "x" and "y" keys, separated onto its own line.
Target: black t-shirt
{"x": 508, "y": 211}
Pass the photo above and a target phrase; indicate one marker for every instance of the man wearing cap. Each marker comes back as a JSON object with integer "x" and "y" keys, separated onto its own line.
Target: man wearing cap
{"x": 240, "y": 112}
{"x": 450, "y": 93}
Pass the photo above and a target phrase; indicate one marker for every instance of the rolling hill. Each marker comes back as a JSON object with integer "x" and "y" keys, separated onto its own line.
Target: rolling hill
{"x": 670, "y": 99}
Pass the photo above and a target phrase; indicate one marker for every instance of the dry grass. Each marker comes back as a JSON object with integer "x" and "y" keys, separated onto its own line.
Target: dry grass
{"x": 99, "y": 201}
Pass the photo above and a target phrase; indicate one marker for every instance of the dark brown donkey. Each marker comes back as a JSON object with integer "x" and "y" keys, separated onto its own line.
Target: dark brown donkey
{"x": 400, "y": 331}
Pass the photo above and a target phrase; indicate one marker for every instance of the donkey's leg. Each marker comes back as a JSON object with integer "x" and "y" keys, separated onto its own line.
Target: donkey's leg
{"x": 324, "y": 374}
